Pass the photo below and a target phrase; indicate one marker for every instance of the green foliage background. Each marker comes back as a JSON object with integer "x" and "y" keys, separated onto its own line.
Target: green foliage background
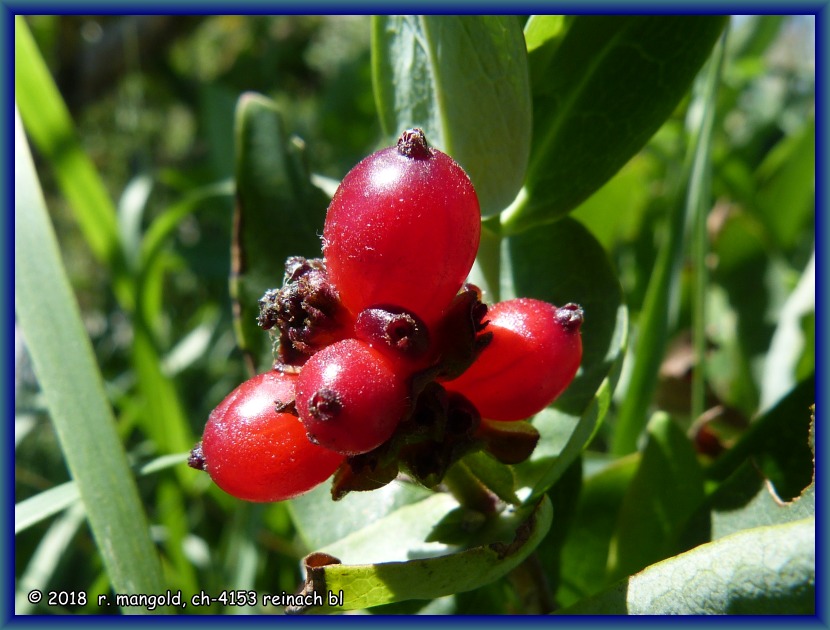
{"x": 680, "y": 212}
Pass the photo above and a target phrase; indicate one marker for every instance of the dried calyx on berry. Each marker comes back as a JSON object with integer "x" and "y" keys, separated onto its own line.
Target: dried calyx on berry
{"x": 394, "y": 331}
{"x": 305, "y": 314}
{"x": 441, "y": 428}
{"x": 462, "y": 333}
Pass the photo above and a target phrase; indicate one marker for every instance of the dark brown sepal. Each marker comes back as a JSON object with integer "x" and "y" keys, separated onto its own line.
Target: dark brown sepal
{"x": 462, "y": 333}
{"x": 508, "y": 442}
{"x": 393, "y": 330}
{"x": 306, "y": 313}
{"x": 361, "y": 473}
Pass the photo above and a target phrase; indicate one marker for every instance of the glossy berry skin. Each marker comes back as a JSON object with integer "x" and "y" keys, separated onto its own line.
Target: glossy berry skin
{"x": 351, "y": 397}
{"x": 256, "y": 453}
{"x": 533, "y": 356}
{"x": 402, "y": 229}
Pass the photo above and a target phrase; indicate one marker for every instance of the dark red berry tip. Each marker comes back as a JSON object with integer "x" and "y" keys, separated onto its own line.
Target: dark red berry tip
{"x": 325, "y": 405}
{"x": 197, "y": 458}
{"x": 570, "y": 316}
{"x": 393, "y": 328}
{"x": 413, "y": 144}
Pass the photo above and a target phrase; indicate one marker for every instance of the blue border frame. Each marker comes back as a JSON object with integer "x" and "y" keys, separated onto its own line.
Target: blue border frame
{"x": 819, "y": 9}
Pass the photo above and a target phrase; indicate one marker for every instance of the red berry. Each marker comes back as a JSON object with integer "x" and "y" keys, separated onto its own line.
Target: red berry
{"x": 257, "y": 453}
{"x": 350, "y": 397}
{"x": 533, "y": 356}
{"x": 402, "y": 229}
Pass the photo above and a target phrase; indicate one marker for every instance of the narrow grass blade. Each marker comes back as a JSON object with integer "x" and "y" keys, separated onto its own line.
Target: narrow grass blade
{"x": 52, "y": 131}
{"x": 64, "y": 362}
{"x": 49, "y": 502}
{"x": 44, "y": 505}
{"x": 46, "y": 558}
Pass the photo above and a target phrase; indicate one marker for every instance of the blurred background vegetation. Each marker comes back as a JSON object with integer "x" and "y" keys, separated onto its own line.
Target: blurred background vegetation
{"x": 153, "y": 100}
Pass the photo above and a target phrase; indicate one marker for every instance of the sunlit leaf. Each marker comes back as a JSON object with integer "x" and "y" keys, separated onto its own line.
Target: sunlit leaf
{"x": 367, "y": 585}
{"x": 606, "y": 88}
{"x": 761, "y": 571}
{"x": 321, "y": 521}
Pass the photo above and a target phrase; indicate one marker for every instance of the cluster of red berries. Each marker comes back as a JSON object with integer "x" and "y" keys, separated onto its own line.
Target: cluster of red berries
{"x": 386, "y": 360}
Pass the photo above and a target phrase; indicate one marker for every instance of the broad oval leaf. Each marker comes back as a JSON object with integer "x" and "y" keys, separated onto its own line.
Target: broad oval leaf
{"x": 367, "y": 585}
{"x": 279, "y": 213}
{"x": 321, "y": 521}
{"x": 464, "y": 81}
{"x": 562, "y": 262}
{"x": 601, "y": 90}
{"x": 761, "y": 571}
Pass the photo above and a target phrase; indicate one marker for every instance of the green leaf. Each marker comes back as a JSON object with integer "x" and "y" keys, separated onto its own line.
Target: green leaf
{"x": 367, "y": 585}
{"x": 628, "y": 189}
{"x": 664, "y": 494}
{"x": 321, "y": 521}
{"x": 50, "y": 126}
{"x": 607, "y": 87}
{"x": 560, "y": 263}
{"x": 399, "y": 535}
{"x": 746, "y": 500}
{"x": 742, "y": 331}
{"x": 659, "y": 312}
{"x": 543, "y": 34}
{"x": 464, "y": 81}
{"x": 497, "y": 477}
{"x": 584, "y": 564}
{"x": 279, "y": 213}
{"x": 778, "y": 442}
{"x": 761, "y": 571}
{"x": 785, "y": 184}
{"x": 64, "y": 362}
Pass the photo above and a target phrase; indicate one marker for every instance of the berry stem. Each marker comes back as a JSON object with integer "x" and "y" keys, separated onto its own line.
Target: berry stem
{"x": 469, "y": 491}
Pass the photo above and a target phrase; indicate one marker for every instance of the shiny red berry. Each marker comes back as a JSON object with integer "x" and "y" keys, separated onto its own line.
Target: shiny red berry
{"x": 351, "y": 397}
{"x": 403, "y": 230}
{"x": 533, "y": 356}
{"x": 256, "y": 452}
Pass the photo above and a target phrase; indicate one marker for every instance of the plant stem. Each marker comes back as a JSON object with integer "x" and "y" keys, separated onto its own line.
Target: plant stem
{"x": 531, "y": 586}
{"x": 487, "y": 270}
{"x": 468, "y": 490}
{"x": 698, "y": 203}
